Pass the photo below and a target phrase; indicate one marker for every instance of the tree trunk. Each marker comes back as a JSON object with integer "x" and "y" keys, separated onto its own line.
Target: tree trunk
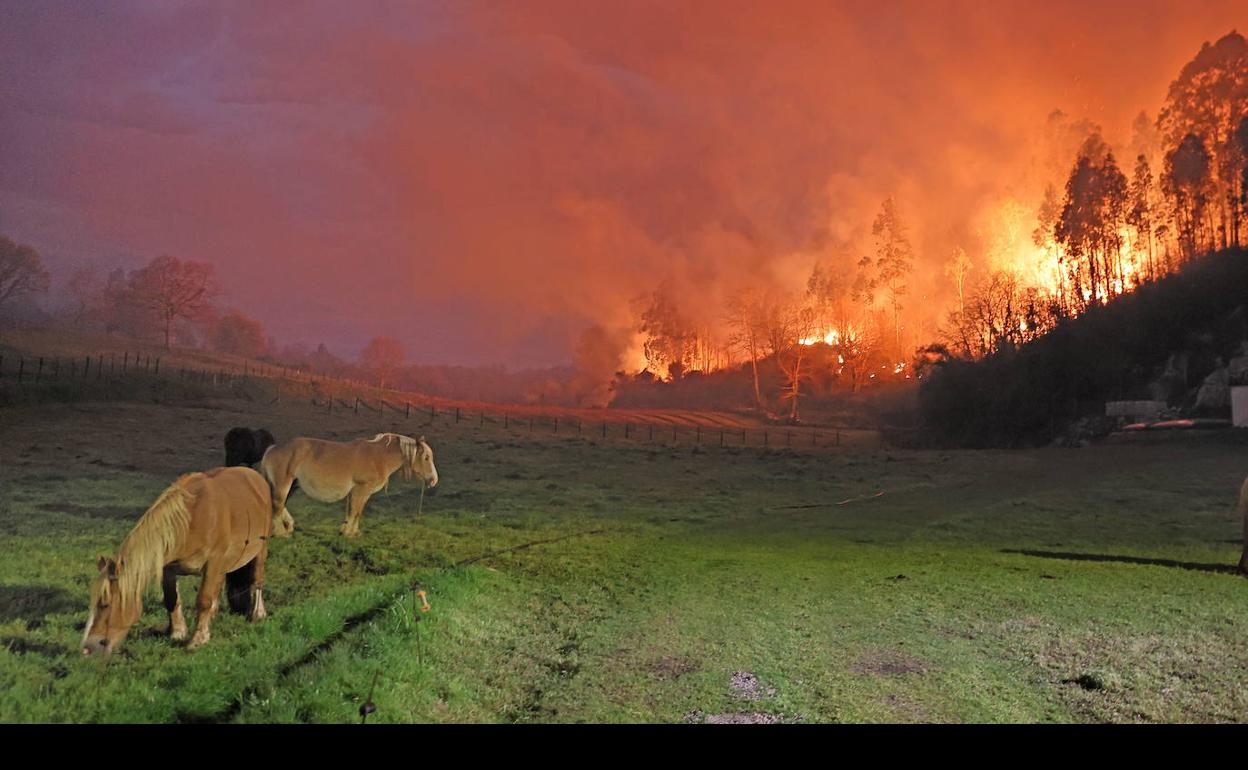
{"x": 758, "y": 393}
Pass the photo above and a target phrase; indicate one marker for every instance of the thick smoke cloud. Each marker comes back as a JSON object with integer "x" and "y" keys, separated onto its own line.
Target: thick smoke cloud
{"x": 487, "y": 181}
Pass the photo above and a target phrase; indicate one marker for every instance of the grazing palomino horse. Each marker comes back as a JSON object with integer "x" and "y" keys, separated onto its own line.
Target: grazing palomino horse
{"x": 331, "y": 470}
{"x": 244, "y": 446}
{"x": 214, "y": 524}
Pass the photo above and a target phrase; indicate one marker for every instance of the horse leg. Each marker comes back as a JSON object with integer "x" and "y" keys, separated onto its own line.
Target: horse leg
{"x": 355, "y": 509}
{"x": 238, "y": 588}
{"x": 1243, "y": 514}
{"x": 173, "y": 604}
{"x": 206, "y": 604}
{"x": 257, "y": 605}
{"x": 283, "y": 522}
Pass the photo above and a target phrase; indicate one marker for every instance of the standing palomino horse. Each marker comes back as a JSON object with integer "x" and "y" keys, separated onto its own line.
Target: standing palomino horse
{"x": 1243, "y": 514}
{"x": 214, "y": 524}
{"x": 331, "y": 470}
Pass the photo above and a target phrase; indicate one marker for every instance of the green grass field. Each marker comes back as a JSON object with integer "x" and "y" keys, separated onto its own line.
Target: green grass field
{"x": 677, "y": 584}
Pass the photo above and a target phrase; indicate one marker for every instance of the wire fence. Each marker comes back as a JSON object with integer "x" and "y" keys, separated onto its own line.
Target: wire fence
{"x": 334, "y": 396}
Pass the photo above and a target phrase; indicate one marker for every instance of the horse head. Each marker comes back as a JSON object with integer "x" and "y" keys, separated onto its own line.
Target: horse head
{"x": 422, "y": 462}
{"x": 112, "y": 614}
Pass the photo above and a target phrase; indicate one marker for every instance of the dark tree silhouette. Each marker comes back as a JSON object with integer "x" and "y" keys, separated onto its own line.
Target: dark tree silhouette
{"x": 21, "y": 270}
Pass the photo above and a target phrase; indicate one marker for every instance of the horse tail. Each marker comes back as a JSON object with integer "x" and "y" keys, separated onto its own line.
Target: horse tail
{"x": 1243, "y": 515}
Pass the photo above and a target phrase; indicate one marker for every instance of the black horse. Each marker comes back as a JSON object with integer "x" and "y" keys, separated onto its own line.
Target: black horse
{"x": 244, "y": 446}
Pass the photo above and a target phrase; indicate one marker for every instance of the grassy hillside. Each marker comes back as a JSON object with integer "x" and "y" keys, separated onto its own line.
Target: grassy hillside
{"x": 581, "y": 580}
{"x": 1114, "y": 351}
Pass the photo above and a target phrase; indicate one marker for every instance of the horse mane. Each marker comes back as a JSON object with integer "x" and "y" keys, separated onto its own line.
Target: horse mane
{"x": 159, "y": 532}
{"x": 409, "y": 446}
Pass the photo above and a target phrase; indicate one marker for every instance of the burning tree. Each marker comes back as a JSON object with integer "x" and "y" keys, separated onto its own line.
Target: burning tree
{"x": 1189, "y": 186}
{"x": 894, "y": 261}
{"x": 1090, "y": 223}
{"x": 1208, "y": 100}
{"x": 1000, "y": 312}
{"x": 671, "y": 341}
{"x": 1140, "y": 214}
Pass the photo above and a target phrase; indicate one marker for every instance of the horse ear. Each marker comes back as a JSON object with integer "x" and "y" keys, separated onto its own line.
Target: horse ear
{"x": 421, "y": 439}
{"x": 101, "y": 563}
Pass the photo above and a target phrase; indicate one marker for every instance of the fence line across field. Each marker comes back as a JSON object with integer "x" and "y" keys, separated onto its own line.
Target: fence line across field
{"x": 44, "y": 369}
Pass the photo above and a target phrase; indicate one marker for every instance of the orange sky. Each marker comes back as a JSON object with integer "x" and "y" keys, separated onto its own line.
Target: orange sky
{"x": 486, "y": 180}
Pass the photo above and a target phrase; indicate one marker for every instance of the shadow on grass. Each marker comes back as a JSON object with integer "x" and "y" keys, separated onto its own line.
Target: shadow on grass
{"x": 1227, "y": 569}
{"x": 32, "y": 603}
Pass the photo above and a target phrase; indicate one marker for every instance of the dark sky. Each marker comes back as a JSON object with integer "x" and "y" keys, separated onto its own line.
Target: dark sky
{"x": 485, "y": 180}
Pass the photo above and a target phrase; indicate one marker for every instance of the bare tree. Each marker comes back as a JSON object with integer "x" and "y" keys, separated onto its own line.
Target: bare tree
{"x": 958, "y": 268}
{"x": 746, "y": 318}
{"x": 797, "y": 325}
{"x": 21, "y": 270}
{"x": 170, "y": 289}
{"x": 382, "y": 357}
